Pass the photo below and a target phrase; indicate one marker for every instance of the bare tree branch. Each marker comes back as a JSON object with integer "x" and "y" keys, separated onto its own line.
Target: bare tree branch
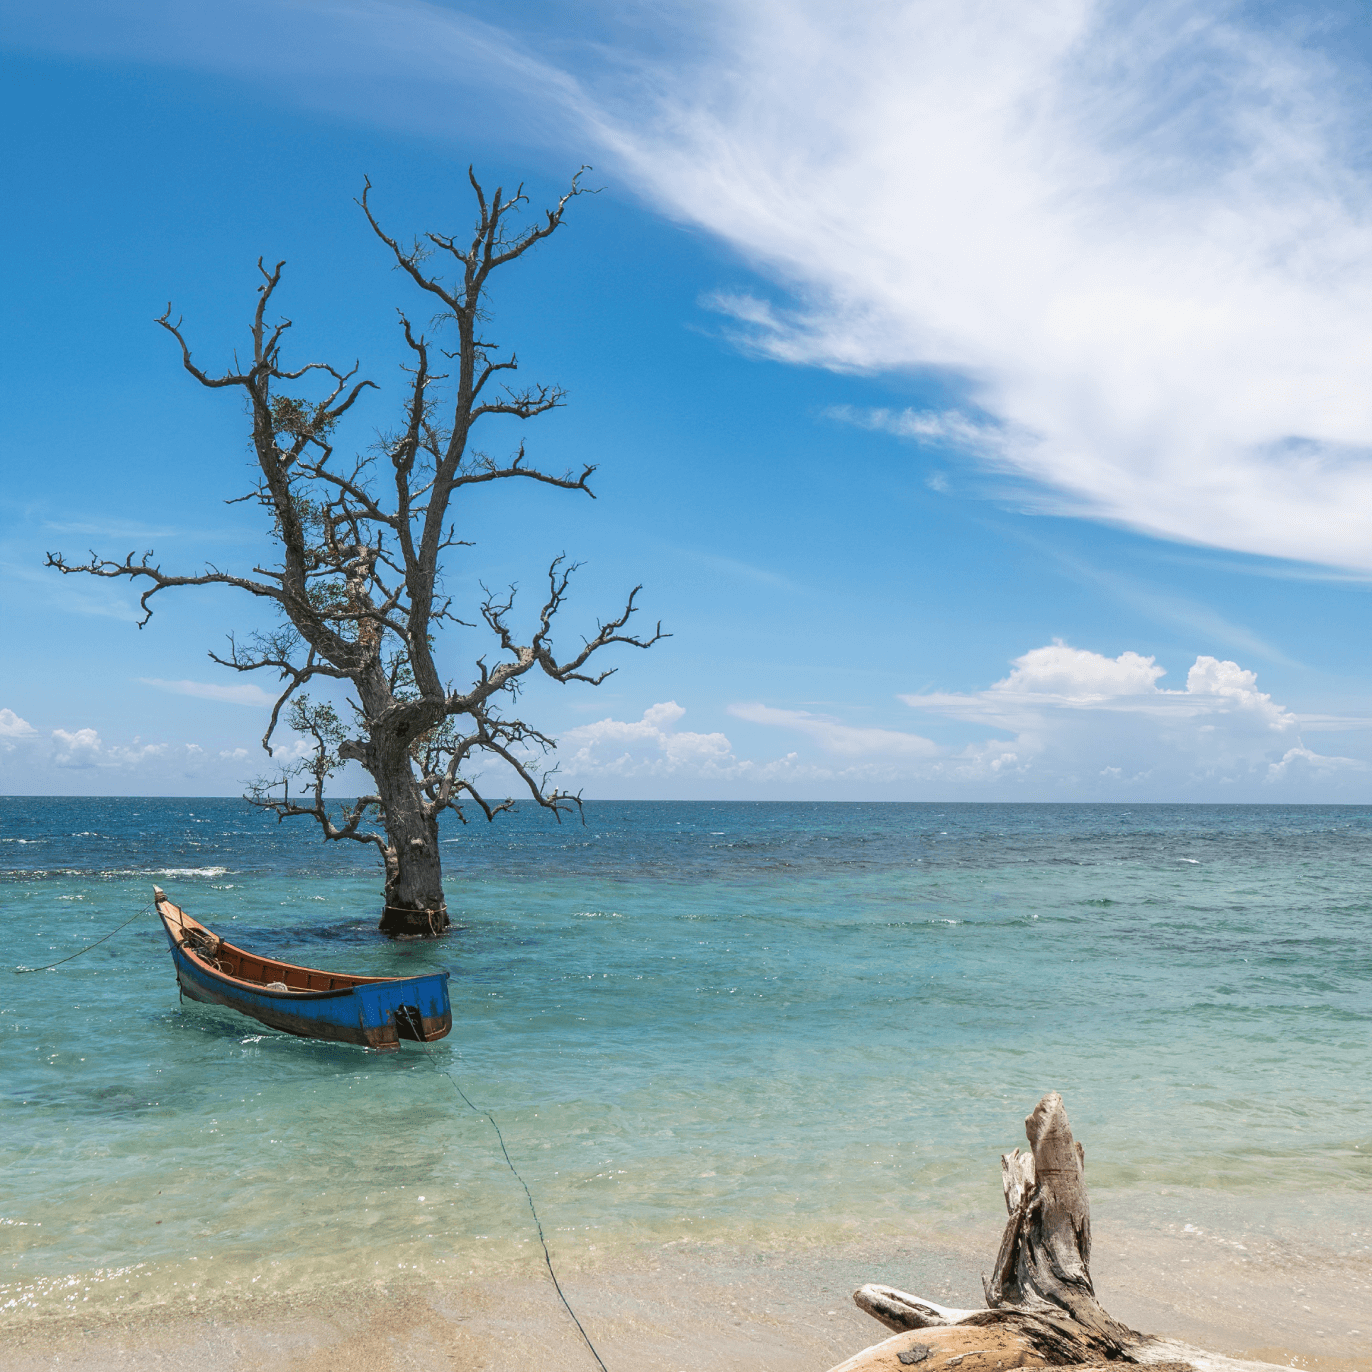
{"x": 357, "y": 579}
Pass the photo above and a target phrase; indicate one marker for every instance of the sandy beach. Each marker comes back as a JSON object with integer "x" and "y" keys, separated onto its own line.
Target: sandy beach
{"x": 694, "y": 1307}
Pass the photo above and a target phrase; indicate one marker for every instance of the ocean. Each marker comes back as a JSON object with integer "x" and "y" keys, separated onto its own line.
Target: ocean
{"x": 745, "y": 1032}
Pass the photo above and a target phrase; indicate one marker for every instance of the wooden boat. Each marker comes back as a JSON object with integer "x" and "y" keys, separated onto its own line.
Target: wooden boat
{"x": 374, "y": 1011}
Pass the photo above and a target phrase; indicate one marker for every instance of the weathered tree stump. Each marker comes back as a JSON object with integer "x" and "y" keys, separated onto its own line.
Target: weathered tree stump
{"x": 1041, "y": 1308}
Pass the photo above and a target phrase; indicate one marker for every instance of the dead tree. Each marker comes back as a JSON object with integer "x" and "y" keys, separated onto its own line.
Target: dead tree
{"x": 1041, "y": 1307}
{"x": 356, "y": 579}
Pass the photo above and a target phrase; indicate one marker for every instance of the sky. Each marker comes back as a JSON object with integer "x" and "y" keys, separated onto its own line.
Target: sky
{"x": 980, "y": 392}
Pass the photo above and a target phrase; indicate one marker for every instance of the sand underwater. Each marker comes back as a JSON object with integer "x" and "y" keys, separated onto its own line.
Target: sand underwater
{"x": 747, "y": 1056}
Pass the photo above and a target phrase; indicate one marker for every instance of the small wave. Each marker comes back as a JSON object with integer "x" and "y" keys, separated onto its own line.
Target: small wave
{"x": 31, "y": 873}
{"x": 164, "y": 872}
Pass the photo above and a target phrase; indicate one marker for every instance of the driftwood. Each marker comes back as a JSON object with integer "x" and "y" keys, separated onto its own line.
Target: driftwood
{"x": 1041, "y": 1308}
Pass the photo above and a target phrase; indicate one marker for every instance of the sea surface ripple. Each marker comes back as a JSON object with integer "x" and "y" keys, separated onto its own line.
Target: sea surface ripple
{"x": 734, "y": 1022}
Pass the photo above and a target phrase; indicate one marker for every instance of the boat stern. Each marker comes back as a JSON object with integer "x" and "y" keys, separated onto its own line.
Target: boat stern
{"x": 417, "y": 1009}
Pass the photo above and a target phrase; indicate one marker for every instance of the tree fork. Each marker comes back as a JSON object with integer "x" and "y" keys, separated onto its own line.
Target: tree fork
{"x": 360, "y": 548}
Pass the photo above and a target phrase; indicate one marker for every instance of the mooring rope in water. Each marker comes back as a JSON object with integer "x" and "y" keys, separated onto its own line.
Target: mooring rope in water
{"x": 145, "y": 910}
{"x": 528, "y": 1195}
{"x": 433, "y": 1061}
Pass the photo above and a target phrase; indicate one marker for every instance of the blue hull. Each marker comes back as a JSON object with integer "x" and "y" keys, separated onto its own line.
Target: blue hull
{"x": 376, "y": 1012}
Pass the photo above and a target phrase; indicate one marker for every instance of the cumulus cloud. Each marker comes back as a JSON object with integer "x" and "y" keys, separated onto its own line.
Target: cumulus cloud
{"x": 1083, "y": 725}
{"x": 13, "y": 728}
{"x": 646, "y": 747}
{"x": 1302, "y": 758}
{"x": 288, "y": 748}
{"x": 243, "y": 693}
{"x": 77, "y": 748}
{"x": 1060, "y": 678}
{"x": 35, "y": 761}
{"x": 1078, "y": 675}
{"x": 1064, "y": 722}
{"x": 82, "y": 748}
{"x": 1088, "y": 720}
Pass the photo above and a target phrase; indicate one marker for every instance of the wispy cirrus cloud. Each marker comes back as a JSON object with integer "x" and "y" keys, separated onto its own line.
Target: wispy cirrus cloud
{"x": 244, "y": 693}
{"x": 1138, "y": 239}
{"x": 836, "y": 737}
{"x": 1141, "y": 238}
{"x": 949, "y": 428}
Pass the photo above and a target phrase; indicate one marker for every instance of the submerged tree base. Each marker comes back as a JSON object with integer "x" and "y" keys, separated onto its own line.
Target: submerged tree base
{"x": 398, "y": 923}
{"x": 357, "y": 574}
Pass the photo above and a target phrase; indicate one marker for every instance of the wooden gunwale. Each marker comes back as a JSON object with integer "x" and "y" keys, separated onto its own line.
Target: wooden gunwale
{"x": 179, "y": 925}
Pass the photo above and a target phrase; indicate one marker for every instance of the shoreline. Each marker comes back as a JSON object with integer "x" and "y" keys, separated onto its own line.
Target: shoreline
{"x": 731, "y": 1053}
{"x": 691, "y": 1306}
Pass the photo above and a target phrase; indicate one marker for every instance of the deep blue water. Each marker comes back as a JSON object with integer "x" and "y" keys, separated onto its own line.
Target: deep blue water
{"x": 706, "y": 1019}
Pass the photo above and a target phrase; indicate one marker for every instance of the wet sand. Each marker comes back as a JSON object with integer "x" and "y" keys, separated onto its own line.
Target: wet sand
{"x": 690, "y": 1307}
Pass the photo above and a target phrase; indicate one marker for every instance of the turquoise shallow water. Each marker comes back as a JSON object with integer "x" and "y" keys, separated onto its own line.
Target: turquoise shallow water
{"x": 756, "y": 1023}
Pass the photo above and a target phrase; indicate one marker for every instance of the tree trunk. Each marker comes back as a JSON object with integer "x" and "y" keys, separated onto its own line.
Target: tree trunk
{"x": 414, "y": 874}
{"x": 1042, "y": 1309}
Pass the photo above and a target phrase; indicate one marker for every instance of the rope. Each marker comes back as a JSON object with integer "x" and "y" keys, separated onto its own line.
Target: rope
{"x": 485, "y": 1114}
{"x": 528, "y": 1195}
{"x": 19, "y": 971}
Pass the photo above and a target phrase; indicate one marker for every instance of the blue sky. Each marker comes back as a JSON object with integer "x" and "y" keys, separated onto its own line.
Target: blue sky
{"x": 953, "y": 373}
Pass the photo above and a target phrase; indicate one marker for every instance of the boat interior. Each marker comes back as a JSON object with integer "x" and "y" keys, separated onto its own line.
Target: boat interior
{"x": 207, "y": 947}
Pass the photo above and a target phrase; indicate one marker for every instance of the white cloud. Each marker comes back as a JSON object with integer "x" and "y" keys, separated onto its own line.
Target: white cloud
{"x": 651, "y": 747}
{"x": 233, "y": 754}
{"x": 1086, "y": 726}
{"x": 1088, "y": 721}
{"x": 246, "y": 693}
{"x": 1076, "y": 674}
{"x": 1140, "y": 237}
{"x": 1060, "y": 678}
{"x": 1321, "y": 766}
{"x": 836, "y": 737}
{"x": 291, "y": 748}
{"x": 645, "y": 747}
{"x": 933, "y": 426}
{"x": 1082, "y": 726}
{"x": 1137, "y": 233}
{"x": 82, "y": 748}
{"x": 12, "y": 727}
